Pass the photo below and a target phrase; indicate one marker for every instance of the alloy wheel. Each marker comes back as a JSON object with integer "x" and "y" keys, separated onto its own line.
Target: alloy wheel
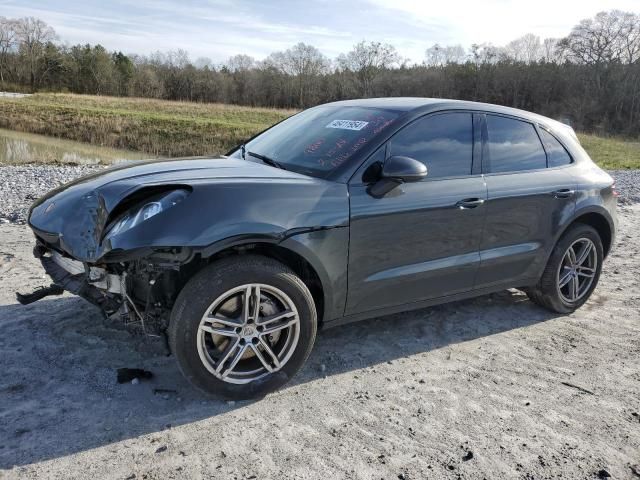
{"x": 577, "y": 270}
{"x": 247, "y": 333}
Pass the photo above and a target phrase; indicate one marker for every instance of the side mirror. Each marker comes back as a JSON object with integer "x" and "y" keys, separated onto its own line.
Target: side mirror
{"x": 397, "y": 170}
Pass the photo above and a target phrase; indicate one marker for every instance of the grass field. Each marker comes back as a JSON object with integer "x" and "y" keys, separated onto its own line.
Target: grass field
{"x": 166, "y": 128}
{"x": 157, "y": 127}
{"x": 612, "y": 153}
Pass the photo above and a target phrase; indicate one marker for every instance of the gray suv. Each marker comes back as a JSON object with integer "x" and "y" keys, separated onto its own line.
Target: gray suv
{"x": 342, "y": 212}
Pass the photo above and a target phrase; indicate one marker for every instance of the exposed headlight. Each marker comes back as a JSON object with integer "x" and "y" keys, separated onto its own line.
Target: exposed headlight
{"x": 145, "y": 211}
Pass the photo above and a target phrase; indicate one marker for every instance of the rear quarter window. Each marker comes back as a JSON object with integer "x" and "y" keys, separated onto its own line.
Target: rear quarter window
{"x": 557, "y": 155}
{"x": 514, "y": 145}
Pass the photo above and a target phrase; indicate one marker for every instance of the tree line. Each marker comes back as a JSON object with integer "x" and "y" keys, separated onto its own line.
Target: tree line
{"x": 590, "y": 78}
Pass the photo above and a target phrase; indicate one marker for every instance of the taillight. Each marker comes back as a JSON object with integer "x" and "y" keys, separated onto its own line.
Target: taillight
{"x": 614, "y": 191}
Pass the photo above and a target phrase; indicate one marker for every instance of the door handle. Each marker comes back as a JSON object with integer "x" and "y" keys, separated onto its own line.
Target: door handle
{"x": 563, "y": 193}
{"x": 469, "y": 203}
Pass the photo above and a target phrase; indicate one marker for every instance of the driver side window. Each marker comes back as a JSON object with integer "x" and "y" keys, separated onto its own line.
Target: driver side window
{"x": 443, "y": 142}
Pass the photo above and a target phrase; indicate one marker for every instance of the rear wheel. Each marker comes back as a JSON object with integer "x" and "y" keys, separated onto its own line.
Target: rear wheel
{"x": 572, "y": 271}
{"x": 243, "y": 327}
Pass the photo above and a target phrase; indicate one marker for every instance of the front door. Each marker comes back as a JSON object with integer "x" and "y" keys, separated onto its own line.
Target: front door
{"x": 422, "y": 239}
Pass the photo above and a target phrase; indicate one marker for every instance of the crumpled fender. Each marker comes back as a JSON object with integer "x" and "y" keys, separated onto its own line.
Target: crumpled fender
{"x": 219, "y": 207}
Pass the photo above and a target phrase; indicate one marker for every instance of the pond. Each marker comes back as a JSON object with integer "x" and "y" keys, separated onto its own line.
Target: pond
{"x": 18, "y": 147}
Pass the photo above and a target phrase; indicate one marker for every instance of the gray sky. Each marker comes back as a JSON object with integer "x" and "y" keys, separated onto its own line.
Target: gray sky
{"x": 218, "y": 29}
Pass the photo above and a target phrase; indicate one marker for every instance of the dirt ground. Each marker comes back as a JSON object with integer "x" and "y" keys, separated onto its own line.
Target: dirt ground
{"x": 493, "y": 387}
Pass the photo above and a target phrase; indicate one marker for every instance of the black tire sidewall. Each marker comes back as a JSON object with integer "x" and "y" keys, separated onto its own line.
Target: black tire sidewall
{"x": 213, "y": 281}
{"x": 549, "y": 281}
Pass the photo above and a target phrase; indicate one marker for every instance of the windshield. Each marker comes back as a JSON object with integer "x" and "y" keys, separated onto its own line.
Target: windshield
{"x": 319, "y": 140}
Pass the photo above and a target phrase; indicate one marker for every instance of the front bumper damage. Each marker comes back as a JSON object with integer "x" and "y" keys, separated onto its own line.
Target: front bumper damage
{"x": 120, "y": 290}
{"x": 95, "y": 277}
{"x": 91, "y": 283}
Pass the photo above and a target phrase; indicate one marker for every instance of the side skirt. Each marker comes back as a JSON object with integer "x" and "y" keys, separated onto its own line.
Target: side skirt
{"x": 425, "y": 303}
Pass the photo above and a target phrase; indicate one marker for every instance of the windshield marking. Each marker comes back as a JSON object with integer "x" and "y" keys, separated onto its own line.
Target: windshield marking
{"x": 347, "y": 124}
{"x": 318, "y": 141}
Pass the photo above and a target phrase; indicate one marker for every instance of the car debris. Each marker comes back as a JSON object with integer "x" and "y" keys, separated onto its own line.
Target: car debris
{"x": 164, "y": 391}
{"x": 39, "y": 293}
{"x": 126, "y": 375}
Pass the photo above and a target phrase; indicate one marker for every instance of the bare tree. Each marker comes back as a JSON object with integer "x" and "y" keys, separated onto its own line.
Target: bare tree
{"x": 240, "y": 63}
{"x": 145, "y": 83}
{"x": 486, "y": 53}
{"x": 437, "y": 55}
{"x": 302, "y": 62}
{"x": 525, "y": 49}
{"x": 630, "y": 37}
{"x": 551, "y": 52}
{"x": 7, "y": 42}
{"x": 240, "y": 67}
{"x": 32, "y": 34}
{"x": 178, "y": 58}
{"x": 455, "y": 54}
{"x": 366, "y": 60}
{"x": 592, "y": 76}
{"x": 532, "y": 48}
{"x": 612, "y": 36}
{"x": 434, "y": 55}
{"x": 203, "y": 62}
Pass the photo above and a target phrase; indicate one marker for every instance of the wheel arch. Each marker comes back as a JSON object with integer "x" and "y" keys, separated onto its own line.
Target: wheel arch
{"x": 600, "y": 220}
{"x": 302, "y": 265}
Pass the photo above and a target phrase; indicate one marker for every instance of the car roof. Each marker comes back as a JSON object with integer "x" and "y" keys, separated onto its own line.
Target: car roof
{"x": 394, "y": 103}
{"x": 424, "y": 105}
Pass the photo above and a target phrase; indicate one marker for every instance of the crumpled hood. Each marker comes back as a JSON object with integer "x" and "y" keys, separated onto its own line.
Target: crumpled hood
{"x": 74, "y": 216}
{"x": 121, "y": 179}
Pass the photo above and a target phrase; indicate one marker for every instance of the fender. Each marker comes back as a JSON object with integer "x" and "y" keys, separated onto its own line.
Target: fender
{"x": 587, "y": 209}
{"x": 598, "y": 209}
{"x": 325, "y": 249}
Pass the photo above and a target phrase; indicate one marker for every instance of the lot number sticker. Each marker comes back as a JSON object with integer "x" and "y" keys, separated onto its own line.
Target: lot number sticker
{"x": 347, "y": 124}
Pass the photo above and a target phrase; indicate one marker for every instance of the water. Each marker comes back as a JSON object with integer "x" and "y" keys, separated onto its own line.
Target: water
{"x": 18, "y": 148}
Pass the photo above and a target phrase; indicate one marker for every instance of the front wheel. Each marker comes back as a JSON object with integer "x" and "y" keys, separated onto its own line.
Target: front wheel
{"x": 572, "y": 271}
{"x": 242, "y": 327}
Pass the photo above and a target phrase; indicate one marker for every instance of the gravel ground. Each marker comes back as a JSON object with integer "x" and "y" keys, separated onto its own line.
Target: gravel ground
{"x": 493, "y": 387}
{"x": 628, "y": 184}
{"x": 22, "y": 185}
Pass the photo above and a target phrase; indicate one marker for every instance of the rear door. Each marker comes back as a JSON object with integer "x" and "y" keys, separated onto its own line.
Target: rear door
{"x": 421, "y": 240}
{"x": 530, "y": 193}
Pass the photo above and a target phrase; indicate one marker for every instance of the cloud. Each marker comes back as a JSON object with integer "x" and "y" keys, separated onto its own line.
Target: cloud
{"x": 498, "y": 21}
{"x": 220, "y": 28}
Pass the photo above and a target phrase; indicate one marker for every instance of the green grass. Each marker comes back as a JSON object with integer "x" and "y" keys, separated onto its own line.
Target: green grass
{"x": 166, "y": 128}
{"x": 156, "y": 127}
{"x": 612, "y": 153}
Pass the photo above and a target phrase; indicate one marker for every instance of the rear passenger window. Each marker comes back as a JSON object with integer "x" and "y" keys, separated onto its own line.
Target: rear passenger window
{"x": 556, "y": 153}
{"x": 444, "y": 143}
{"x": 514, "y": 145}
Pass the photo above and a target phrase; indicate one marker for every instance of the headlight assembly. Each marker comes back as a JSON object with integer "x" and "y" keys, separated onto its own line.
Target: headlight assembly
{"x": 144, "y": 211}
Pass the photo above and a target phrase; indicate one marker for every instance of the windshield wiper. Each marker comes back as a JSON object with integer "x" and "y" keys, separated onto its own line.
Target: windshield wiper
{"x": 267, "y": 160}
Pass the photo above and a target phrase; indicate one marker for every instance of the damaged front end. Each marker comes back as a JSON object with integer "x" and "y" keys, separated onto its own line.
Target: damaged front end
{"x": 129, "y": 238}
{"x": 139, "y": 292}
{"x": 91, "y": 256}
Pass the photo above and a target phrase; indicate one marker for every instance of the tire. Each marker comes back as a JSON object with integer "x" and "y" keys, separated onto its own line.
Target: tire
{"x": 548, "y": 293}
{"x": 201, "y": 353}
